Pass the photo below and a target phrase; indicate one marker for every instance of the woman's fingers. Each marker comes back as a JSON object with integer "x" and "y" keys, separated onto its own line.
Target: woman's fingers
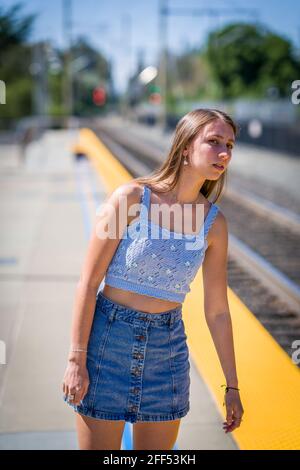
{"x": 78, "y": 395}
{"x": 235, "y": 423}
{"x": 72, "y": 395}
{"x": 229, "y": 416}
{"x": 66, "y": 391}
{"x": 75, "y": 385}
{"x": 78, "y": 392}
{"x": 84, "y": 391}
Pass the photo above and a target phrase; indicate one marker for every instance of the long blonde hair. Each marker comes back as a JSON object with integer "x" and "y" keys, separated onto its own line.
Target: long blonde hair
{"x": 186, "y": 130}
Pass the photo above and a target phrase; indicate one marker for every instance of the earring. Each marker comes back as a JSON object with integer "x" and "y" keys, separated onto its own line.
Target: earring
{"x": 185, "y": 162}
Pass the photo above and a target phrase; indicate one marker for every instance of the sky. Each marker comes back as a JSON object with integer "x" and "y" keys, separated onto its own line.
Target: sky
{"x": 106, "y": 23}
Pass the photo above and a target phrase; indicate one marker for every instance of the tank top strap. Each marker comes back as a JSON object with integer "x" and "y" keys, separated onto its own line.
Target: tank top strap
{"x": 145, "y": 203}
{"x": 210, "y": 218}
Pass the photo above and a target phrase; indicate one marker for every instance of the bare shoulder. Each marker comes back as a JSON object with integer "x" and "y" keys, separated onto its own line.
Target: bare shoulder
{"x": 132, "y": 193}
{"x": 131, "y": 190}
{"x": 219, "y": 230}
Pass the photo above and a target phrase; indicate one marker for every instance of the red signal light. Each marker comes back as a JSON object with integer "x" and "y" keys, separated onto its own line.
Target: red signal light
{"x": 99, "y": 96}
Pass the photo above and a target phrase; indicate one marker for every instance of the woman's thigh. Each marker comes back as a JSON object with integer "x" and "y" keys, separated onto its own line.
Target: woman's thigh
{"x": 99, "y": 434}
{"x": 158, "y": 435}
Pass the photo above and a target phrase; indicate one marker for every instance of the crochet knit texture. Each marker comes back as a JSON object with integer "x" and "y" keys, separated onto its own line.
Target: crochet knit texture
{"x": 154, "y": 261}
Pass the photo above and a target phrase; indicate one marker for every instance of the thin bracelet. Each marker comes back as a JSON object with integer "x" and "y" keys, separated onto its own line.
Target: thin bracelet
{"x": 229, "y": 388}
{"x": 78, "y": 350}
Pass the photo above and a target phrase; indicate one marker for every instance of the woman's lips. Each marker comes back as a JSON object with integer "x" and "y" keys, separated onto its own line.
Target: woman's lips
{"x": 218, "y": 167}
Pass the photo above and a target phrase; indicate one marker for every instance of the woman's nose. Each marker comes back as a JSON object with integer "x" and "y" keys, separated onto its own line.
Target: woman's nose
{"x": 224, "y": 154}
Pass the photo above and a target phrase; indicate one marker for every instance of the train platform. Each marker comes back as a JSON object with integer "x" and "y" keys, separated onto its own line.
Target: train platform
{"x": 50, "y": 199}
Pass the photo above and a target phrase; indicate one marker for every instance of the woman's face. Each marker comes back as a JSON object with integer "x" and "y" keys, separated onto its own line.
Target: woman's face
{"x": 212, "y": 146}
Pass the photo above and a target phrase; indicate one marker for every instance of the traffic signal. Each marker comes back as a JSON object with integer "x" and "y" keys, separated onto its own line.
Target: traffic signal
{"x": 155, "y": 98}
{"x": 154, "y": 94}
{"x": 99, "y": 96}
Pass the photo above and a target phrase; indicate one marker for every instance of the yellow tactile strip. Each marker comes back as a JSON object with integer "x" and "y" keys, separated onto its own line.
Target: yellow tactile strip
{"x": 268, "y": 379}
{"x": 112, "y": 173}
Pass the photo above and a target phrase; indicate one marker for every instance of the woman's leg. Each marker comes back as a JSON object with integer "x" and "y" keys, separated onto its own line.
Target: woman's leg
{"x": 98, "y": 434}
{"x": 159, "y": 435}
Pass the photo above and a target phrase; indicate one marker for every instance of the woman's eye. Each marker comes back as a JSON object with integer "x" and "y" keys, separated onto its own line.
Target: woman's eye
{"x": 214, "y": 141}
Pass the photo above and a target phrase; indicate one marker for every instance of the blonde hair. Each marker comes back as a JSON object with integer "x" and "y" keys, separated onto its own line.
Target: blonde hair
{"x": 186, "y": 130}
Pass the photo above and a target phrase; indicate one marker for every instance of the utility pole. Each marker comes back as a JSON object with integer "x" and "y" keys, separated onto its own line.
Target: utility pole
{"x": 126, "y": 44}
{"x": 39, "y": 70}
{"x": 67, "y": 77}
{"x": 163, "y": 59}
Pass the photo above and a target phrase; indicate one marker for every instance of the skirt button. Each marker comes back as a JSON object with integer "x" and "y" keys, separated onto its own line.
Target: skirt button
{"x": 136, "y": 371}
{"x": 138, "y": 355}
{"x": 134, "y": 408}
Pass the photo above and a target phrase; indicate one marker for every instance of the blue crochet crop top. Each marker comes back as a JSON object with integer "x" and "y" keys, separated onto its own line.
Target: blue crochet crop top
{"x": 158, "y": 262}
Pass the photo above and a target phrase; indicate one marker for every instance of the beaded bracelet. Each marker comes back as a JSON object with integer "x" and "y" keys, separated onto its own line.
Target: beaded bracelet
{"x": 78, "y": 350}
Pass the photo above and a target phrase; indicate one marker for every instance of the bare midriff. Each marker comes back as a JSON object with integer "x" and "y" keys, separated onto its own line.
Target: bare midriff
{"x": 143, "y": 303}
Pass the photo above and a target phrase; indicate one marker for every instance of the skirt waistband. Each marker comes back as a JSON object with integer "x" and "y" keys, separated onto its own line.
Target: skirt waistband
{"x": 108, "y": 306}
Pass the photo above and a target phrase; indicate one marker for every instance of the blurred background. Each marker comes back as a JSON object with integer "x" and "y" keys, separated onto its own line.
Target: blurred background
{"x": 152, "y": 61}
{"x": 90, "y": 93}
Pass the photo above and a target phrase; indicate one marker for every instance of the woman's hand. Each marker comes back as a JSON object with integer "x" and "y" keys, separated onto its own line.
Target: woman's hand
{"x": 234, "y": 411}
{"x": 76, "y": 381}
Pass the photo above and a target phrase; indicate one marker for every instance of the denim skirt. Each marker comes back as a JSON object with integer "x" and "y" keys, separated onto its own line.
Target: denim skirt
{"x": 138, "y": 365}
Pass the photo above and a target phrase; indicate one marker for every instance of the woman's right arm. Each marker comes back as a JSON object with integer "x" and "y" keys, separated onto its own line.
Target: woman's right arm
{"x": 100, "y": 252}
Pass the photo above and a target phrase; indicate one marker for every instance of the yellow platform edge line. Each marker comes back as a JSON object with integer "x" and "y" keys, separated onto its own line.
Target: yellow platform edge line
{"x": 268, "y": 379}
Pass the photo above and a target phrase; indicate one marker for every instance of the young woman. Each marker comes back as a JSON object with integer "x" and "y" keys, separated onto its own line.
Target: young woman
{"x": 129, "y": 359}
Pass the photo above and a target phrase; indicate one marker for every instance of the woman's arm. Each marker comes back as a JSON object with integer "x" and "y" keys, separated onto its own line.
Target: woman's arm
{"x": 216, "y": 306}
{"x": 100, "y": 252}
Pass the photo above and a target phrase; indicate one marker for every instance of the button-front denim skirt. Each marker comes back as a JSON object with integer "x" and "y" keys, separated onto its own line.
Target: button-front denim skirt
{"x": 138, "y": 365}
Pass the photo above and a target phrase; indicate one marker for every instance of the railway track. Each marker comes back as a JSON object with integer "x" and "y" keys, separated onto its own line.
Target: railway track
{"x": 263, "y": 258}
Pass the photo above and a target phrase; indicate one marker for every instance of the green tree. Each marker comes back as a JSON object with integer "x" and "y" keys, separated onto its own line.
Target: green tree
{"x": 14, "y": 29}
{"x": 247, "y": 59}
{"x": 281, "y": 66}
{"x": 15, "y": 60}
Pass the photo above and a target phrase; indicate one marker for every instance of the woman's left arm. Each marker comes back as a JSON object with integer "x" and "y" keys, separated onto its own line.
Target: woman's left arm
{"x": 217, "y": 314}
